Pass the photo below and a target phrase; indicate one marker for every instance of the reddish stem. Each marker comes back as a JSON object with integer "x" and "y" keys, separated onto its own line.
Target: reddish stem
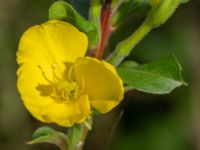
{"x": 105, "y": 29}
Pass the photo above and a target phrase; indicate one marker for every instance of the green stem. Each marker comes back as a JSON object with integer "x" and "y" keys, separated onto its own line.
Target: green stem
{"x": 74, "y": 136}
{"x": 124, "y": 48}
{"x": 77, "y": 135}
{"x": 83, "y": 138}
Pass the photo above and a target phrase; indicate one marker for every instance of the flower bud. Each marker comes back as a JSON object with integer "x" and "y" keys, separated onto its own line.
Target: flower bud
{"x": 161, "y": 11}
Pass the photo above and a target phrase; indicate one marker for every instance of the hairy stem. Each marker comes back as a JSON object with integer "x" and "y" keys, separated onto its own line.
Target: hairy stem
{"x": 105, "y": 29}
{"x": 124, "y": 48}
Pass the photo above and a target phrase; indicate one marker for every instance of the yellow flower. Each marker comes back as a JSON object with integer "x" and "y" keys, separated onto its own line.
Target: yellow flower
{"x": 56, "y": 82}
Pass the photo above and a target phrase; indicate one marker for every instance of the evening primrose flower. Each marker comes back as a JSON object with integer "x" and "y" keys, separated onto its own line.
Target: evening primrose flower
{"x": 56, "y": 82}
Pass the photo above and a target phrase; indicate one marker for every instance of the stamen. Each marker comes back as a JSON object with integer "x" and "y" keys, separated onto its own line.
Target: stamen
{"x": 68, "y": 91}
{"x": 70, "y": 74}
{"x": 55, "y": 77}
{"x": 43, "y": 73}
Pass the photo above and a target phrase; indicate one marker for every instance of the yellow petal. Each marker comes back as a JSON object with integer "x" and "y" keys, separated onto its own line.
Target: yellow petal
{"x": 35, "y": 93}
{"x": 69, "y": 113}
{"x": 51, "y": 44}
{"x": 30, "y": 77}
{"x": 102, "y": 84}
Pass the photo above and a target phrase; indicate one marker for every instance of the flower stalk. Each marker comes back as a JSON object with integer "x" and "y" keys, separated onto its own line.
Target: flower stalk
{"x": 125, "y": 47}
{"x": 105, "y": 20}
{"x": 160, "y": 12}
{"x": 83, "y": 138}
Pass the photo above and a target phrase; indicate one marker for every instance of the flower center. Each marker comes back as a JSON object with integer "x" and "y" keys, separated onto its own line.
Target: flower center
{"x": 62, "y": 88}
{"x": 66, "y": 90}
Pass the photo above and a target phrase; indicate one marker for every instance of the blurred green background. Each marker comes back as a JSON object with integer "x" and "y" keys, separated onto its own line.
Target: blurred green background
{"x": 146, "y": 122}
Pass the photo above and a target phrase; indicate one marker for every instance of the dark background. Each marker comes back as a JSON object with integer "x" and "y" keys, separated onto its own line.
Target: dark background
{"x": 147, "y": 122}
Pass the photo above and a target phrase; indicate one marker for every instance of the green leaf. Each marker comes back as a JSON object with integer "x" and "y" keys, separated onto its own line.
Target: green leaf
{"x": 48, "y": 135}
{"x": 62, "y": 10}
{"x": 159, "y": 77}
{"x": 94, "y": 16}
{"x": 75, "y": 135}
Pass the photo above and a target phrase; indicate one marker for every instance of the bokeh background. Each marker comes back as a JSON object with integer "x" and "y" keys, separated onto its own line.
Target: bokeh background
{"x": 142, "y": 121}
